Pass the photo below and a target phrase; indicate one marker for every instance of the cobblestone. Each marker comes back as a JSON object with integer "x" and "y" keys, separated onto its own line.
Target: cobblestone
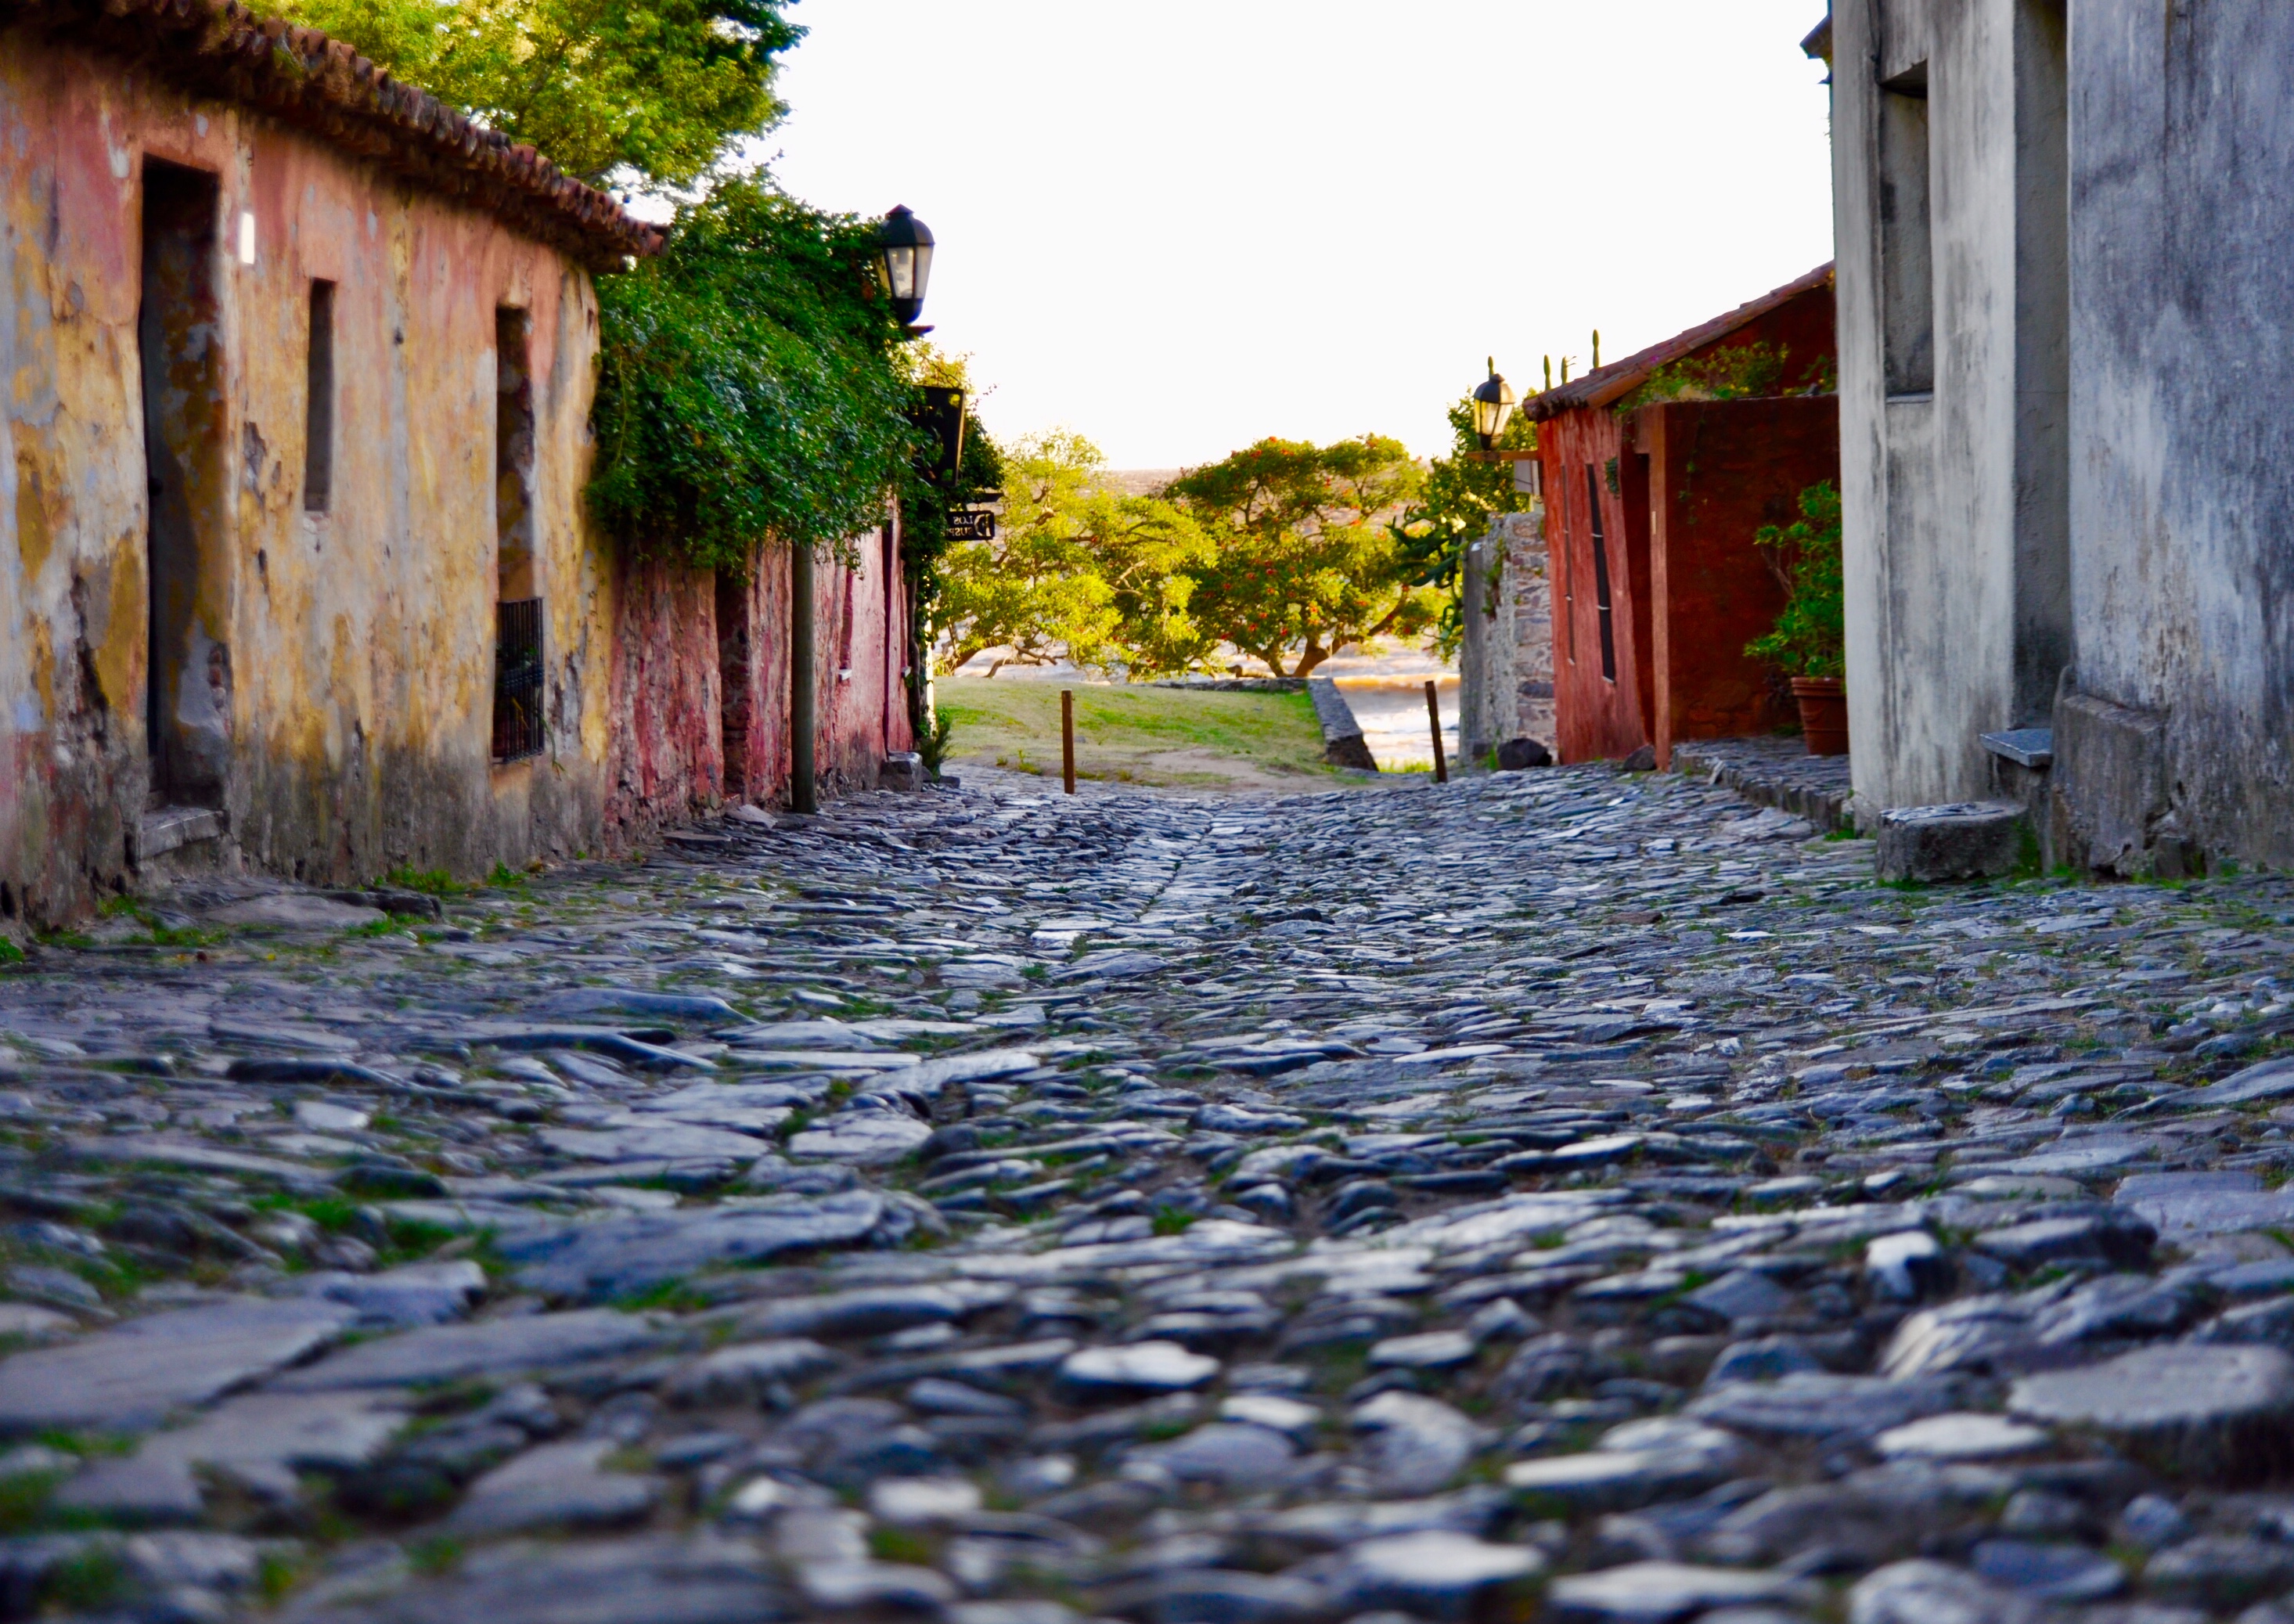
{"x": 996, "y": 1206}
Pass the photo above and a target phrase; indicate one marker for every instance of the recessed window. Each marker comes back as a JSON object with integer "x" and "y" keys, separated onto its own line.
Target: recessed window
{"x": 1907, "y": 251}
{"x": 1601, "y": 574}
{"x": 319, "y": 395}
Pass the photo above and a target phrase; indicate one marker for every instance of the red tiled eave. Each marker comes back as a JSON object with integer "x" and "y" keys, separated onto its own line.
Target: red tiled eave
{"x": 1620, "y": 378}
{"x": 321, "y": 86}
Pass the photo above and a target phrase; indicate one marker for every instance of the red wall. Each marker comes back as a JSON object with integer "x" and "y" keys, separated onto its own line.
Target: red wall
{"x": 1680, "y": 530}
{"x": 1597, "y": 715}
{"x": 700, "y": 707}
{"x": 1724, "y": 469}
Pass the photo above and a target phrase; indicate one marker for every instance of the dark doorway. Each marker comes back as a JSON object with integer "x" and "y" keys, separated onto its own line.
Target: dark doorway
{"x": 187, "y": 706}
{"x": 736, "y": 678}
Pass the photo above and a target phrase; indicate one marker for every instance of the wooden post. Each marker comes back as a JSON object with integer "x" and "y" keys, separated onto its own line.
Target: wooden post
{"x": 1434, "y": 716}
{"x": 1067, "y": 738}
{"x": 804, "y": 708}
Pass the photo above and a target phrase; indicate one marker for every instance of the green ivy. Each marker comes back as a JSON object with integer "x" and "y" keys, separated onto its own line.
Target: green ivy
{"x": 1453, "y": 509}
{"x": 750, "y": 388}
{"x": 1737, "y": 372}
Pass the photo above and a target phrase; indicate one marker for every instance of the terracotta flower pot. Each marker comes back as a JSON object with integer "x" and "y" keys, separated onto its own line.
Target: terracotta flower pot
{"x": 1823, "y": 714}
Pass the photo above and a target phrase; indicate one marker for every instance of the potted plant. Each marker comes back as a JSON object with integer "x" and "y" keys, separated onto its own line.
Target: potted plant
{"x": 1809, "y": 644}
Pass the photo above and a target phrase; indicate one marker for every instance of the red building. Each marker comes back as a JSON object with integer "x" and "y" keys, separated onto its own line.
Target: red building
{"x": 1657, "y": 471}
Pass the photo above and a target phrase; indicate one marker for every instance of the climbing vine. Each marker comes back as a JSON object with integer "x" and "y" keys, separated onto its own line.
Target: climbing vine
{"x": 750, "y": 386}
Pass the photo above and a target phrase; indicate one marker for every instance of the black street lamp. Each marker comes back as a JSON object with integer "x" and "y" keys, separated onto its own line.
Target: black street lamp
{"x": 1492, "y": 405}
{"x": 905, "y": 243}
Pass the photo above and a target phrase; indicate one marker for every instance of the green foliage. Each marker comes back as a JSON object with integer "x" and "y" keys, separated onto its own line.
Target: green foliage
{"x": 1075, "y": 570}
{"x": 926, "y": 504}
{"x": 1307, "y": 561}
{"x": 1461, "y": 495}
{"x": 24, "y": 1497}
{"x": 1811, "y": 637}
{"x": 432, "y": 882}
{"x": 90, "y": 1579}
{"x": 661, "y": 87}
{"x": 504, "y": 877}
{"x": 1738, "y": 372}
{"x": 932, "y": 745}
{"x": 10, "y": 953}
{"x": 747, "y": 386}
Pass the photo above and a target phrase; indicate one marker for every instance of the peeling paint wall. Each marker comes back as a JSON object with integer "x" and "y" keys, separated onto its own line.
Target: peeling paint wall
{"x": 326, "y": 626}
{"x": 860, "y": 629}
{"x": 333, "y": 669}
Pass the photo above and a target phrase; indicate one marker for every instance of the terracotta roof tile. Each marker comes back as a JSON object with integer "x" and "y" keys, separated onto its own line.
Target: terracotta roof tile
{"x": 321, "y": 86}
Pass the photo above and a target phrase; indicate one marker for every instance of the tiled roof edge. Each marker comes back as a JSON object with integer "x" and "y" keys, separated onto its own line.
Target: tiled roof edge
{"x": 323, "y": 87}
{"x": 1620, "y": 378}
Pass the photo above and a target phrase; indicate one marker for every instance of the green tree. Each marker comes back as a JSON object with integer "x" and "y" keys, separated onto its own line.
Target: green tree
{"x": 1077, "y": 571}
{"x": 660, "y": 87}
{"x": 1036, "y": 589}
{"x": 1454, "y": 507}
{"x": 749, "y": 387}
{"x": 1308, "y": 561}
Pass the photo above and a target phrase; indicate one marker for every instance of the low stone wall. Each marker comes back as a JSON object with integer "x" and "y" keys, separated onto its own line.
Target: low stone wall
{"x": 1342, "y": 736}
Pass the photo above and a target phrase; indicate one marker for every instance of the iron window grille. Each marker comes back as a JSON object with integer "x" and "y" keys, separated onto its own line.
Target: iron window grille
{"x": 517, "y": 679}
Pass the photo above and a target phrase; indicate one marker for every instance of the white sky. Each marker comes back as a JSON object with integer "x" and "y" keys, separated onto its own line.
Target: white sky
{"x": 1180, "y": 226}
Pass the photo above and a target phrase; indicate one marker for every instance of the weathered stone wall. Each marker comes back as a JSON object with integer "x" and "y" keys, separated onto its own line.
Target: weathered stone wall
{"x": 2183, "y": 439}
{"x": 1505, "y": 665}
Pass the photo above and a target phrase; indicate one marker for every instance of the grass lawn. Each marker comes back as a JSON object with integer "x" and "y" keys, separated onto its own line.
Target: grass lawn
{"x": 1169, "y": 736}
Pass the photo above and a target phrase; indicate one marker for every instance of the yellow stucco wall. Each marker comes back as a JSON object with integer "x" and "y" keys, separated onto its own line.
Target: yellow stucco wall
{"x": 360, "y": 641}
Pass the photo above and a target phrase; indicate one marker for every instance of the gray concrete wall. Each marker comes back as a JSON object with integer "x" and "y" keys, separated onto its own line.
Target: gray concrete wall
{"x": 1952, "y": 495}
{"x": 2182, "y": 420}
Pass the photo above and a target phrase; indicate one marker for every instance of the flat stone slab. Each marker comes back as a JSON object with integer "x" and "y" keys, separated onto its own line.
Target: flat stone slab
{"x": 556, "y": 1486}
{"x": 490, "y": 1348}
{"x": 132, "y": 1376}
{"x": 260, "y": 1441}
{"x": 294, "y": 911}
{"x": 1661, "y": 1592}
{"x": 2267, "y": 1080}
{"x": 865, "y": 1138}
{"x": 169, "y": 1152}
{"x": 1136, "y": 1368}
{"x": 1433, "y": 1573}
{"x": 2205, "y": 1203}
{"x": 633, "y": 1138}
{"x": 652, "y": 1579}
{"x": 2204, "y": 1410}
{"x": 2087, "y": 1158}
{"x": 1819, "y": 1406}
{"x": 1923, "y": 1592}
{"x": 1960, "y": 1435}
{"x": 614, "y": 1257}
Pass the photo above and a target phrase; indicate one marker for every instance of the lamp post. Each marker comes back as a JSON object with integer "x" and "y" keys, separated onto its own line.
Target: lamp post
{"x": 904, "y": 243}
{"x": 1492, "y": 405}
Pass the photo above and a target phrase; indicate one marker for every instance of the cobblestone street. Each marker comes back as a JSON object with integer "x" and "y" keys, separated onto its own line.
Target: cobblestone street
{"x": 1562, "y": 1193}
